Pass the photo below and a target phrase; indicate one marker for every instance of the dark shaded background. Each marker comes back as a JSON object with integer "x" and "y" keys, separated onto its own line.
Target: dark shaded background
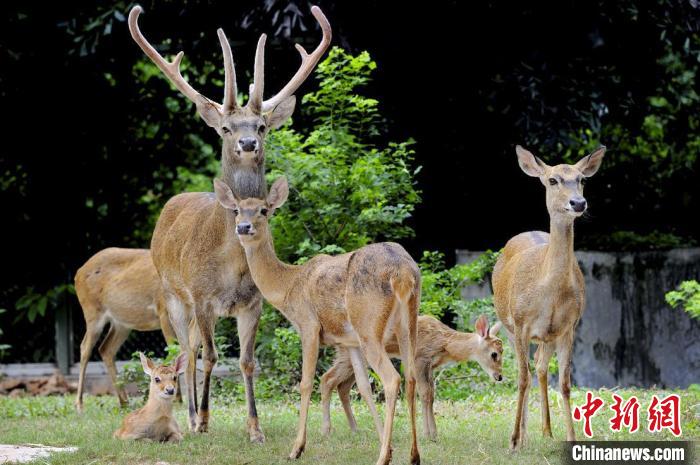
{"x": 467, "y": 80}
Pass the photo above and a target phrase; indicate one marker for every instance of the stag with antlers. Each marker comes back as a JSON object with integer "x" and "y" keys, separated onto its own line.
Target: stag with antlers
{"x": 199, "y": 259}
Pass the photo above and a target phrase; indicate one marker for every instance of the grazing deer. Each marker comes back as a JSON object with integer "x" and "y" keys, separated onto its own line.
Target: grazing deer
{"x": 356, "y": 301}
{"x": 120, "y": 287}
{"x": 200, "y": 262}
{"x": 539, "y": 292}
{"x": 155, "y": 420}
{"x": 437, "y": 345}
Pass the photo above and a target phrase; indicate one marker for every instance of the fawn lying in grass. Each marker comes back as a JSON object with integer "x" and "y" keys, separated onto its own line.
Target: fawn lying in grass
{"x": 437, "y": 345}
{"x": 155, "y": 420}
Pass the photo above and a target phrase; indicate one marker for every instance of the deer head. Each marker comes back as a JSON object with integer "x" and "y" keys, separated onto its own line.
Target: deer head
{"x": 564, "y": 183}
{"x": 163, "y": 378}
{"x": 242, "y": 128}
{"x": 489, "y": 352}
{"x": 252, "y": 214}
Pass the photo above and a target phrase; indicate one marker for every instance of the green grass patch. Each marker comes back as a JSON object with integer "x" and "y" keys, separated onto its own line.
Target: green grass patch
{"x": 475, "y": 430}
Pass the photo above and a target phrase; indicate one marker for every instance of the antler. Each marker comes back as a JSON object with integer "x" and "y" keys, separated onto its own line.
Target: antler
{"x": 230, "y": 91}
{"x": 256, "y": 91}
{"x": 308, "y": 62}
{"x": 172, "y": 69}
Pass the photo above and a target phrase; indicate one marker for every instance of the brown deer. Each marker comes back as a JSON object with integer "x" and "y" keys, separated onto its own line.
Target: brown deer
{"x": 120, "y": 287}
{"x": 356, "y": 301}
{"x": 437, "y": 345}
{"x": 539, "y": 292}
{"x": 155, "y": 421}
{"x": 200, "y": 262}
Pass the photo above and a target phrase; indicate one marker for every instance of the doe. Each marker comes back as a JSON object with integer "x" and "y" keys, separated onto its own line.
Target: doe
{"x": 539, "y": 292}
{"x": 356, "y": 301}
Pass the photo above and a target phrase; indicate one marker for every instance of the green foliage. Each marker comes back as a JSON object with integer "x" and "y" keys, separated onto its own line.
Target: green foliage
{"x": 442, "y": 287}
{"x": 33, "y": 304}
{"x": 345, "y": 190}
{"x": 687, "y": 295}
{"x": 667, "y": 140}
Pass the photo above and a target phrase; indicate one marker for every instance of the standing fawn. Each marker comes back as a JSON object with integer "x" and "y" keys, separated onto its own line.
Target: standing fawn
{"x": 200, "y": 261}
{"x": 437, "y": 345}
{"x": 356, "y": 301}
{"x": 155, "y": 420}
{"x": 539, "y": 291}
{"x": 120, "y": 287}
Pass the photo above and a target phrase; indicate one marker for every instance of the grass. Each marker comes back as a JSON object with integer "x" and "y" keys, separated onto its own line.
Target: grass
{"x": 471, "y": 431}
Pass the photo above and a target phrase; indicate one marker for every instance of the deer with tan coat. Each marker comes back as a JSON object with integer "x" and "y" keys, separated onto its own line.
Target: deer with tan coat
{"x": 119, "y": 287}
{"x": 539, "y": 292}
{"x": 155, "y": 421}
{"x": 356, "y": 301}
{"x": 437, "y": 345}
{"x": 200, "y": 261}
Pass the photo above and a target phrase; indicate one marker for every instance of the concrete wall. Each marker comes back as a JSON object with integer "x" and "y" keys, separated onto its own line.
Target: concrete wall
{"x": 628, "y": 335}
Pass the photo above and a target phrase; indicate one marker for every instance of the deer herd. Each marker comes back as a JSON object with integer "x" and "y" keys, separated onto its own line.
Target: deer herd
{"x": 212, "y": 256}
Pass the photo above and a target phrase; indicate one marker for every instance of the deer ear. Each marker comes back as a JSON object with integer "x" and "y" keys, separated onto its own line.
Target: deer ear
{"x": 278, "y": 193}
{"x": 209, "y": 112}
{"x": 146, "y": 363}
{"x": 225, "y": 195}
{"x": 530, "y": 164}
{"x": 493, "y": 331}
{"x": 181, "y": 363}
{"x": 482, "y": 326}
{"x": 281, "y": 112}
{"x": 588, "y": 165}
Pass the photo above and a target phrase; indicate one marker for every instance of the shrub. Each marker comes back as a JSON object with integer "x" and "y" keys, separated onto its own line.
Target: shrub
{"x": 687, "y": 296}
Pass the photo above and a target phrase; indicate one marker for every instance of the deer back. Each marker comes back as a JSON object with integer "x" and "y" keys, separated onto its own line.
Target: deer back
{"x": 120, "y": 284}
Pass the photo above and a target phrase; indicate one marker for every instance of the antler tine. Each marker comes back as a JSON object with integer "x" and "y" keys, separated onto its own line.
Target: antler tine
{"x": 256, "y": 92}
{"x": 230, "y": 89}
{"x": 308, "y": 62}
{"x": 171, "y": 70}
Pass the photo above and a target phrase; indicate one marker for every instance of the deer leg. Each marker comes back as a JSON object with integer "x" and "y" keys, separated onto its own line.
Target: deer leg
{"x": 337, "y": 375}
{"x": 179, "y": 317}
{"x": 426, "y": 391}
{"x": 380, "y": 362}
{"x": 406, "y": 333}
{"x": 310, "y": 341}
{"x": 108, "y": 350}
{"x": 564, "y": 346}
{"x": 206, "y": 323}
{"x": 344, "y": 395}
{"x": 92, "y": 333}
{"x": 362, "y": 380}
{"x": 247, "y": 322}
{"x": 542, "y": 356}
{"x": 522, "y": 341}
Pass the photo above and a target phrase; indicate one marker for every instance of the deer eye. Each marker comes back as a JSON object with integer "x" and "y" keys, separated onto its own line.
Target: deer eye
{"x": 552, "y": 182}
{"x": 175, "y": 378}
{"x": 157, "y": 379}
{"x": 583, "y": 181}
{"x": 263, "y": 211}
{"x": 262, "y": 128}
{"x": 226, "y": 130}
{"x": 235, "y": 211}
{"x": 494, "y": 355}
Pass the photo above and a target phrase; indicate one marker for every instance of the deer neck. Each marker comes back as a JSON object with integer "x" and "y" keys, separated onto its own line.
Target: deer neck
{"x": 273, "y": 277}
{"x": 560, "y": 258}
{"x": 246, "y": 178}
{"x": 462, "y": 346}
{"x": 159, "y": 407}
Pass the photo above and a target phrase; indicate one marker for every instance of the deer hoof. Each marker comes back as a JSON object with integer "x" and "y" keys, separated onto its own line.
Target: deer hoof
{"x": 257, "y": 437}
{"x": 201, "y": 427}
{"x": 296, "y": 453}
